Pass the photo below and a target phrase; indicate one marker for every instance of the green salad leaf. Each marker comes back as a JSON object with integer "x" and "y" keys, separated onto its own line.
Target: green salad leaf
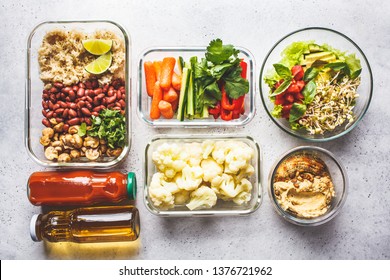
{"x": 286, "y": 83}
{"x": 296, "y": 112}
{"x": 354, "y": 65}
{"x": 309, "y": 92}
{"x": 277, "y": 111}
{"x": 311, "y": 73}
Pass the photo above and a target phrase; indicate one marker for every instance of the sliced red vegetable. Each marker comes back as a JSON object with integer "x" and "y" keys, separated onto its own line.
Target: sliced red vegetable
{"x": 279, "y": 99}
{"x": 293, "y": 88}
{"x": 300, "y": 84}
{"x": 244, "y": 67}
{"x": 216, "y": 111}
{"x": 297, "y": 72}
{"x": 225, "y": 102}
{"x": 289, "y": 97}
{"x": 226, "y": 115}
{"x": 286, "y": 111}
{"x": 298, "y": 96}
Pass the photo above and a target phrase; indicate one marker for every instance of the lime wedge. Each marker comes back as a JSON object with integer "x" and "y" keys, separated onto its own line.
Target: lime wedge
{"x": 97, "y": 46}
{"x": 100, "y": 64}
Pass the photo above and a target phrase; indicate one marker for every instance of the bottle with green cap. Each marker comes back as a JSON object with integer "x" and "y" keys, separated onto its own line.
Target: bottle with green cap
{"x": 80, "y": 187}
{"x": 86, "y": 225}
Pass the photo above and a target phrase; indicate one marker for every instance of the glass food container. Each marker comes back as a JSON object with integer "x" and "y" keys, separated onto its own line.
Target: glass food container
{"x": 35, "y": 86}
{"x": 222, "y": 208}
{"x": 144, "y": 101}
{"x": 338, "y": 176}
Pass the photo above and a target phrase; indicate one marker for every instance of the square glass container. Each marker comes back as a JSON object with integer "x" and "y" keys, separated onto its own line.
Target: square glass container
{"x": 222, "y": 208}
{"x": 35, "y": 86}
{"x": 157, "y": 54}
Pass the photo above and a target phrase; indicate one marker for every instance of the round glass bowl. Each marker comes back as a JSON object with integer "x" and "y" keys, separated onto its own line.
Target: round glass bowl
{"x": 338, "y": 176}
{"x": 338, "y": 41}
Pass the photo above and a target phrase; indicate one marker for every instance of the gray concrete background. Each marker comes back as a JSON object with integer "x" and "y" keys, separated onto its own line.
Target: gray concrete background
{"x": 361, "y": 231}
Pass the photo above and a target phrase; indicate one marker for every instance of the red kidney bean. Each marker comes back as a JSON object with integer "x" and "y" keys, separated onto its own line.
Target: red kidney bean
{"x": 54, "y": 114}
{"x": 56, "y": 106}
{"x": 105, "y": 88}
{"x": 45, "y": 105}
{"x": 110, "y": 99}
{"x": 65, "y": 114}
{"x": 44, "y": 112}
{"x": 118, "y": 95}
{"x": 86, "y": 112}
{"x": 96, "y": 102}
{"x": 88, "y": 105}
{"x": 46, "y": 122}
{"x": 65, "y": 127}
{"x": 97, "y": 91}
{"x": 97, "y": 109}
{"x": 89, "y": 99}
{"x": 95, "y": 84}
{"x": 123, "y": 112}
{"x": 122, "y": 103}
{"x": 50, "y": 104}
{"x": 79, "y": 114}
{"x": 45, "y": 96}
{"x": 80, "y": 104}
{"x": 88, "y": 84}
{"x": 72, "y": 113}
{"x": 49, "y": 114}
{"x": 58, "y": 120}
{"x": 110, "y": 106}
{"x": 116, "y": 84}
{"x": 88, "y": 121}
{"x": 73, "y": 121}
{"x": 117, "y": 104}
{"x": 59, "y": 111}
{"x": 62, "y": 104}
{"x": 83, "y": 98}
{"x": 62, "y": 96}
{"x": 122, "y": 89}
{"x": 100, "y": 96}
{"x": 75, "y": 88}
{"x": 82, "y": 85}
{"x": 116, "y": 108}
{"x": 72, "y": 105}
{"x": 95, "y": 114}
{"x": 111, "y": 88}
{"x": 80, "y": 92}
{"x": 58, "y": 85}
{"x": 66, "y": 89}
{"x": 72, "y": 95}
{"x": 53, "y": 90}
{"x": 58, "y": 95}
{"x": 110, "y": 92}
{"x": 91, "y": 93}
{"x": 53, "y": 97}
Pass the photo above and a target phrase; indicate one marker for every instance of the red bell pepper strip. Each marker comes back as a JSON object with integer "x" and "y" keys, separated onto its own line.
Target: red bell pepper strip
{"x": 225, "y": 102}
{"x": 216, "y": 111}
{"x": 226, "y": 115}
{"x": 244, "y": 67}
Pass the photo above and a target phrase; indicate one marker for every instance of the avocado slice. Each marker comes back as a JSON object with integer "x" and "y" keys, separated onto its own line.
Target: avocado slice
{"x": 313, "y": 48}
{"x": 323, "y": 56}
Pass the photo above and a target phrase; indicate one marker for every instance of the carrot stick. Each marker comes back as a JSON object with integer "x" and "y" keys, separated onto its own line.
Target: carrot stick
{"x": 170, "y": 95}
{"x": 176, "y": 81}
{"x": 157, "y": 69}
{"x": 165, "y": 109}
{"x": 150, "y": 77}
{"x": 168, "y": 64}
{"x": 157, "y": 97}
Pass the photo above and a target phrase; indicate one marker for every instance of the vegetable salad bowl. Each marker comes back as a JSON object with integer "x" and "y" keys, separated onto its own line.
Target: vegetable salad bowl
{"x": 316, "y": 84}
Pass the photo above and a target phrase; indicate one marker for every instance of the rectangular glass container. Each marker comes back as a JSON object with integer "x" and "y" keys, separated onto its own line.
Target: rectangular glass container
{"x": 222, "y": 208}
{"x": 144, "y": 101}
{"x": 35, "y": 86}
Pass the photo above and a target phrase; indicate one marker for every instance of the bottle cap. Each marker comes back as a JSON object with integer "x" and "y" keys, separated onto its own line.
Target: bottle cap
{"x": 131, "y": 185}
{"x": 33, "y": 228}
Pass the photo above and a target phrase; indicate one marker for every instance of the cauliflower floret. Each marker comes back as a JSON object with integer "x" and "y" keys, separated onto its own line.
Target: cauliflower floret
{"x": 161, "y": 198}
{"x": 238, "y": 157}
{"x": 208, "y": 147}
{"x": 182, "y": 197}
{"x": 221, "y": 149}
{"x": 190, "y": 179}
{"x": 246, "y": 192}
{"x": 245, "y": 172}
{"x": 168, "y": 159}
{"x": 194, "y": 153}
{"x": 161, "y": 192}
{"x": 202, "y": 198}
{"x": 211, "y": 169}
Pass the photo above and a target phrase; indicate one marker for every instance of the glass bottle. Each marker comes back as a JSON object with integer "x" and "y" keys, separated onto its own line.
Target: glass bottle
{"x": 81, "y": 187}
{"x": 86, "y": 225}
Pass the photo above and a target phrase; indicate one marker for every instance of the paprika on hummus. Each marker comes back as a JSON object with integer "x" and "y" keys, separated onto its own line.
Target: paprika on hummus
{"x": 303, "y": 186}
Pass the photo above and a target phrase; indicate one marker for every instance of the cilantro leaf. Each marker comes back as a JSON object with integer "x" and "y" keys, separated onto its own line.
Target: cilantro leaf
{"x": 235, "y": 85}
{"x": 218, "y": 53}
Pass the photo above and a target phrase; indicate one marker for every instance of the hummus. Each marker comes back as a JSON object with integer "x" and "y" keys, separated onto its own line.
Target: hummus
{"x": 308, "y": 191}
